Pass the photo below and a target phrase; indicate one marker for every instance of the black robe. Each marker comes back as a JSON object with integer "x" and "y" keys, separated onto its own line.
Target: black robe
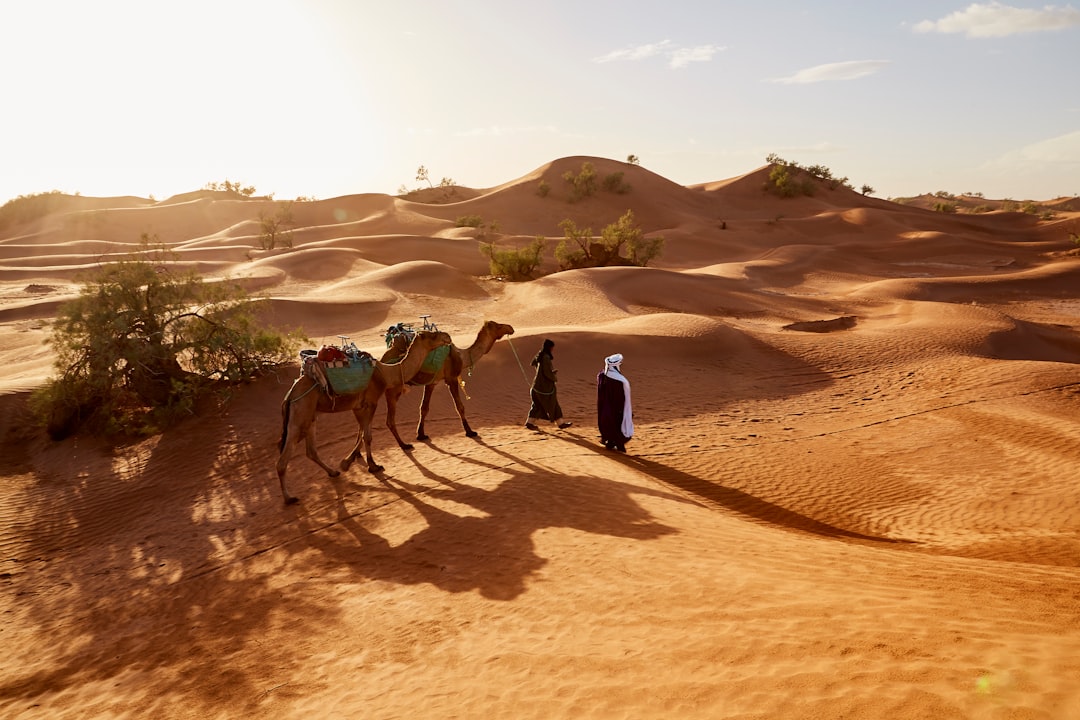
{"x": 545, "y": 400}
{"x": 610, "y": 405}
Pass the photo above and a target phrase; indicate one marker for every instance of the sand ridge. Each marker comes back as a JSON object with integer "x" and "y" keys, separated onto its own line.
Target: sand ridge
{"x": 851, "y": 492}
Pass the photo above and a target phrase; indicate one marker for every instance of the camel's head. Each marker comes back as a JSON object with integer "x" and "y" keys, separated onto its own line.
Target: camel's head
{"x": 498, "y": 330}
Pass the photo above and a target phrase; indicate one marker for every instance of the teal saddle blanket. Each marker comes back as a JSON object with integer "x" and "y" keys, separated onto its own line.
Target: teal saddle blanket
{"x": 432, "y": 362}
{"x": 339, "y": 377}
{"x": 349, "y": 376}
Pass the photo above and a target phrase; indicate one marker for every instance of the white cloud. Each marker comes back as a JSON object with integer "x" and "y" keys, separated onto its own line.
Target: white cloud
{"x": 678, "y": 57}
{"x": 681, "y": 57}
{"x": 994, "y": 19}
{"x": 850, "y": 70}
{"x": 635, "y": 53}
{"x": 1050, "y": 167}
{"x": 1060, "y": 150}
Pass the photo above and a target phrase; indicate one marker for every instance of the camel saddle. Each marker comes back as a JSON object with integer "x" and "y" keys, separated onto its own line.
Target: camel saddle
{"x": 347, "y": 373}
{"x": 434, "y": 359}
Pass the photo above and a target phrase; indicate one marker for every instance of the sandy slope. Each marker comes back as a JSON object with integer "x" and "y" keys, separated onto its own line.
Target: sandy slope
{"x": 852, "y": 492}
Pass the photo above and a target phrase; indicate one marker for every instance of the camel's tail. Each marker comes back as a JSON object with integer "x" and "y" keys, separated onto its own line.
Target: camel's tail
{"x": 286, "y": 407}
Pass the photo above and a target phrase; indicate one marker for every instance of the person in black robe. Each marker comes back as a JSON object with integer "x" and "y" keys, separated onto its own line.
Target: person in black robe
{"x": 614, "y": 412}
{"x": 545, "y": 398}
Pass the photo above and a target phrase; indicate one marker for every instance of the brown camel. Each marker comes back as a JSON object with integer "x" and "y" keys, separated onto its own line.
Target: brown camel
{"x": 305, "y": 400}
{"x": 449, "y": 372}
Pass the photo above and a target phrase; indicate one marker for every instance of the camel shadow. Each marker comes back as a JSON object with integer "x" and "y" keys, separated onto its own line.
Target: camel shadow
{"x": 730, "y": 498}
{"x": 482, "y": 539}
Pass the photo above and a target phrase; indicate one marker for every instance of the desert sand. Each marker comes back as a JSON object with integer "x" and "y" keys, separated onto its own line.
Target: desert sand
{"x": 852, "y": 492}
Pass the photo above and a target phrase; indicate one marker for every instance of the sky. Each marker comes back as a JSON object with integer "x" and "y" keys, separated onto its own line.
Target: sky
{"x": 323, "y": 98}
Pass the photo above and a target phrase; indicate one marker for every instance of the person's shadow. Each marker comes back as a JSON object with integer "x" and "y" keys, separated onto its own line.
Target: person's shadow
{"x": 729, "y": 498}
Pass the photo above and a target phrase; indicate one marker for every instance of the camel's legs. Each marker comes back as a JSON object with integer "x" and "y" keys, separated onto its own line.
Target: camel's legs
{"x": 392, "y": 396}
{"x": 454, "y": 387}
{"x": 363, "y": 414}
{"x": 425, "y": 405}
{"x": 294, "y": 432}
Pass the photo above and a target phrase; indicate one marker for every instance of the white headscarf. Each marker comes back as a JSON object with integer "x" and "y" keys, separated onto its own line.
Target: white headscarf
{"x": 612, "y": 364}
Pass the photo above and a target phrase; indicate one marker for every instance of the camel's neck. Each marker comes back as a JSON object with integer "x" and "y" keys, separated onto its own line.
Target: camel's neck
{"x": 480, "y": 347}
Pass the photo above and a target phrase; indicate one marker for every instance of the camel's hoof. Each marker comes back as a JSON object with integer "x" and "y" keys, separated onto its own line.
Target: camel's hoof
{"x": 291, "y": 500}
{"x": 422, "y": 438}
{"x": 406, "y": 447}
{"x": 335, "y": 473}
{"x": 472, "y": 433}
{"x": 375, "y": 469}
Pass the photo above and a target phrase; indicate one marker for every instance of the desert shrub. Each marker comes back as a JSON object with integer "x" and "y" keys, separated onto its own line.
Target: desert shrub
{"x": 1030, "y": 208}
{"x": 633, "y": 160}
{"x": 788, "y": 184}
{"x": 573, "y": 250}
{"x": 514, "y": 263}
{"x": 583, "y": 184}
{"x": 944, "y": 207}
{"x": 980, "y": 209}
{"x": 26, "y": 208}
{"x": 867, "y": 190}
{"x": 615, "y": 183}
{"x": 784, "y": 181}
{"x": 276, "y": 229}
{"x": 543, "y": 188}
{"x": 625, "y": 234}
{"x": 620, "y": 243}
{"x": 1009, "y": 205}
{"x": 473, "y": 221}
{"x": 145, "y": 340}
{"x": 231, "y": 187}
{"x": 945, "y": 195}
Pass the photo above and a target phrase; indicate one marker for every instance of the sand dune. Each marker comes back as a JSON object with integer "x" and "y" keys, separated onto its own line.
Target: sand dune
{"x": 851, "y": 492}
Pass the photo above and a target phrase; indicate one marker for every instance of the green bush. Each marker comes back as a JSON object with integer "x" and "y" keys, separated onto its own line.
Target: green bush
{"x": 145, "y": 340}
{"x": 583, "y": 184}
{"x": 514, "y": 263}
{"x": 473, "y": 221}
{"x": 787, "y": 183}
{"x": 615, "y": 183}
{"x": 620, "y": 243}
{"x": 543, "y": 188}
{"x": 944, "y": 207}
{"x": 784, "y": 181}
{"x": 26, "y": 208}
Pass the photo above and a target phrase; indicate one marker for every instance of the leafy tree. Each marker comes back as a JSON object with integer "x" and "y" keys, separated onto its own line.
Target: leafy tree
{"x": 514, "y": 263}
{"x": 276, "y": 228}
{"x": 867, "y": 190}
{"x": 573, "y": 250}
{"x": 145, "y": 340}
{"x": 422, "y": 175}
{"x": 626, "y": 234}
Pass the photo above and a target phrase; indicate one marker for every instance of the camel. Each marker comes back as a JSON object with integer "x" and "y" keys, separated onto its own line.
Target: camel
{"x": 449, "y": 372}
{"x": 306, "y": 399}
